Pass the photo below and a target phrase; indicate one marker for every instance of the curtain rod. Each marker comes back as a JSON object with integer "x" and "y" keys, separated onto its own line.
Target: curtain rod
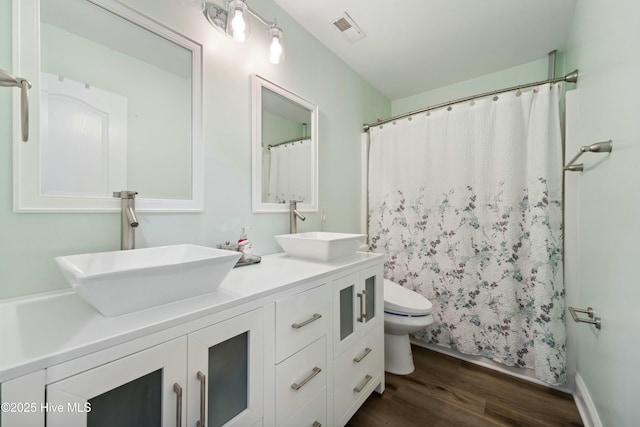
{"x": 572, "y": 77}
{"x": 304, "y": 138}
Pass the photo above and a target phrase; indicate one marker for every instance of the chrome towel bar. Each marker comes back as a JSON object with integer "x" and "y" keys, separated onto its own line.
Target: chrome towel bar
{"x": 598, "y": 147}
{"x": 9, "y": 80}
{"x": 596, "y": 321}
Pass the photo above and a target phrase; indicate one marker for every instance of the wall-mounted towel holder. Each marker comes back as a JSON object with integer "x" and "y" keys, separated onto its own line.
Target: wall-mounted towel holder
{"x": 598, "y": 147}
{"x": 596, "y": 321}
{"x": 9, "y": 80}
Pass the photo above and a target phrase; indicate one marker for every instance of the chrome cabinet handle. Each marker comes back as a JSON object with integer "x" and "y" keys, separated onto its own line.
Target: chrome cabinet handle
{"x": 203, "y": 384}
{"x": 315, "y": 372}
{"x": 363, "y": 384}
{"x": 178, "y": 390}
{"x": 364, "y": 354}
{"x": 363, "y": 315}
{"x": 365, "y": 296}
{"x": 315, "y": 317}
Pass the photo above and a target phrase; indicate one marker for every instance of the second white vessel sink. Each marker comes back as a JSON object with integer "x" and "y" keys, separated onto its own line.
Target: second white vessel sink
{"x": 320, "y": 245}
{"x": 122, "y": 282}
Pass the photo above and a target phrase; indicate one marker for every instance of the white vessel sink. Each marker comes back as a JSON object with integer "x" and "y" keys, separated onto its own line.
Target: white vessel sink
{"x": 122, "y": 282}
{"x": 321, "y": 246}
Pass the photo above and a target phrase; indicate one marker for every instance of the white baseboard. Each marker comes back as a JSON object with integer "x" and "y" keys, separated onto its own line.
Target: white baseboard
{"x": 586, "y": 407}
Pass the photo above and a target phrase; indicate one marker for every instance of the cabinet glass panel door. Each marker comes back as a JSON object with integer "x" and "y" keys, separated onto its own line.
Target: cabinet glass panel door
{"x": 346, "y": 298}
{"x": 228, "y": 366}
{"x": 136, "y": 403}
{"x": 225, "y": 372}
{"x": 372, "y": 286}
{"x": 143, "y": 389}
{"x": 346, "y": 312}
{"x": 370, "y": 300}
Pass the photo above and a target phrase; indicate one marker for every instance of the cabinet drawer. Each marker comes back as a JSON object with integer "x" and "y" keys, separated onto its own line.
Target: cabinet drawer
{"x": 300, "y": 320}
{"x": 299, "y": 378}
{"x": 312, "y": 414}
{"x": 369, "y": 351}
{"x": 352, "y": 371}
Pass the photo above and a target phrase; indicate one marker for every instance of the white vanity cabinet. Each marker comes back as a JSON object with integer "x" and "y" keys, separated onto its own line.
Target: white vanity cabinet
{"x": 283, "y": 343}
{"x": 146, "y": 388}
{"x": 358, "y": 340}
{"x": 212, "y": 376}
{"x": 225, "y": 377}
{"x": 22, "y": 399}
{"x": 302, "y": 355}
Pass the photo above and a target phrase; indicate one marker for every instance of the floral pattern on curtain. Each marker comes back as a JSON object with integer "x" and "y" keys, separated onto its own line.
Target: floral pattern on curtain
{"x": 467, "y": 209}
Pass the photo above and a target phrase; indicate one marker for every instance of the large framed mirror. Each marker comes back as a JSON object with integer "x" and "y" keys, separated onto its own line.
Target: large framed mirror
{"x": 285, "y": 149}
{"x": 115, "y": 105}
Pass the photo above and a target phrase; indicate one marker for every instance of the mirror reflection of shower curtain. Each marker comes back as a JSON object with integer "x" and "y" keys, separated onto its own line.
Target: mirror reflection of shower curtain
{"x": 466, "y": 205}
{"x": 289, "y": 177}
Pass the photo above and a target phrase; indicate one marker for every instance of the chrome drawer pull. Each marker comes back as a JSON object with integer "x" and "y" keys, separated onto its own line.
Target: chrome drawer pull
{"x": 178, "y": 390}
{"x": 315, "y": 372}
{"x": 363, "y": 384}
{"x": 362, "y": 356}
{"x": 203, "y": 385}
{"x": 315, "y": 317}
{"x": 316, "y": 424}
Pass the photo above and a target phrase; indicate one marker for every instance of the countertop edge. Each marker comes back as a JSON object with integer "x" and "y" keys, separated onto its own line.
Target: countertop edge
{"x": 110, "y": 331}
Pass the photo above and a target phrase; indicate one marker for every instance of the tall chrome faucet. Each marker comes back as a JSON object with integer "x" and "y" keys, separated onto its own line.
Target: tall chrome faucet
{"x": 129, "y": 222}
{"x": 293, "y": 216}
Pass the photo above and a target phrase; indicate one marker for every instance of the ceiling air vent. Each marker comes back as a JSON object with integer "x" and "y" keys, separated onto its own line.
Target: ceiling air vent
{"x": 349, "y": 28}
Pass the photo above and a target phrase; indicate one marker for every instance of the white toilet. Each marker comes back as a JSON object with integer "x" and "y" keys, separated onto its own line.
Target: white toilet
{"x": 405, "y": 312}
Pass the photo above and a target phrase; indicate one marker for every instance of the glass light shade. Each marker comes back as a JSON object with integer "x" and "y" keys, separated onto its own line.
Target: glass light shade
{"x": 238, "y": 20}
{"x": 276, "y": 50}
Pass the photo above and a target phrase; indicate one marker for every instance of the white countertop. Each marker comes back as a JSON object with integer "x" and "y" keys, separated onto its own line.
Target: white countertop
{"x": 44, "y": 330}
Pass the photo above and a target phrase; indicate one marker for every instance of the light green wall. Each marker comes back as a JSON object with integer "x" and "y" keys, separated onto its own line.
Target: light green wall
{"x": 526, "y": 73}
{"x": 277, "y": 129}
{"x": 28, "y": 242}
{"x": 604, "y": 44}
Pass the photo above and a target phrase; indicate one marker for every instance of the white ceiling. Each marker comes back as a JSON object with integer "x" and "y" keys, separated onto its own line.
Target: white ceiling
{"x": 412, "y": 46}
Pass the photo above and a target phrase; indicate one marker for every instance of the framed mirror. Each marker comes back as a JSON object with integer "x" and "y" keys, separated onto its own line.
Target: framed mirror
{"x": 285, "y": 149}
{"x": 115, "y": 105}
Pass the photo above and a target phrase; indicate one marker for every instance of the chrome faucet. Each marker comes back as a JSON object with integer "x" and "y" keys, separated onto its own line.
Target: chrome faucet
{"x": 293, "y": 216}
{"x": 129, "y": 221}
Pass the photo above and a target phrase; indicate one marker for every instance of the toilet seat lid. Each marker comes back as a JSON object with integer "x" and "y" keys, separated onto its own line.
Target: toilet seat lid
{"x": 401, "y": 300}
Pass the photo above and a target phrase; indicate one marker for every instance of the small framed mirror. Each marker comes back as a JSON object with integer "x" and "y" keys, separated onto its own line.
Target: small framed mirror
{"x": 285, "y": 149}
{"x": 115, "y": 105}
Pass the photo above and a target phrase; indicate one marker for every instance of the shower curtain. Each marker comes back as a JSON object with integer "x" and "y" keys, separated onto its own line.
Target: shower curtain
{"x": 466, "y": 205}
{"x": 289, "y": 177}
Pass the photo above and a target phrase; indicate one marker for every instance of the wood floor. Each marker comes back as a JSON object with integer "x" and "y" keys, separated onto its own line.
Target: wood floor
{"x": 445, "y": 391}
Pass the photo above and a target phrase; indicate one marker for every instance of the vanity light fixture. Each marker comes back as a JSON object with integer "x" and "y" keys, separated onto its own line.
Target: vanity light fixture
{"x": 238, "y": 25}
{"x": 233, "y": 20}
{"x": 276, "y": 51}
